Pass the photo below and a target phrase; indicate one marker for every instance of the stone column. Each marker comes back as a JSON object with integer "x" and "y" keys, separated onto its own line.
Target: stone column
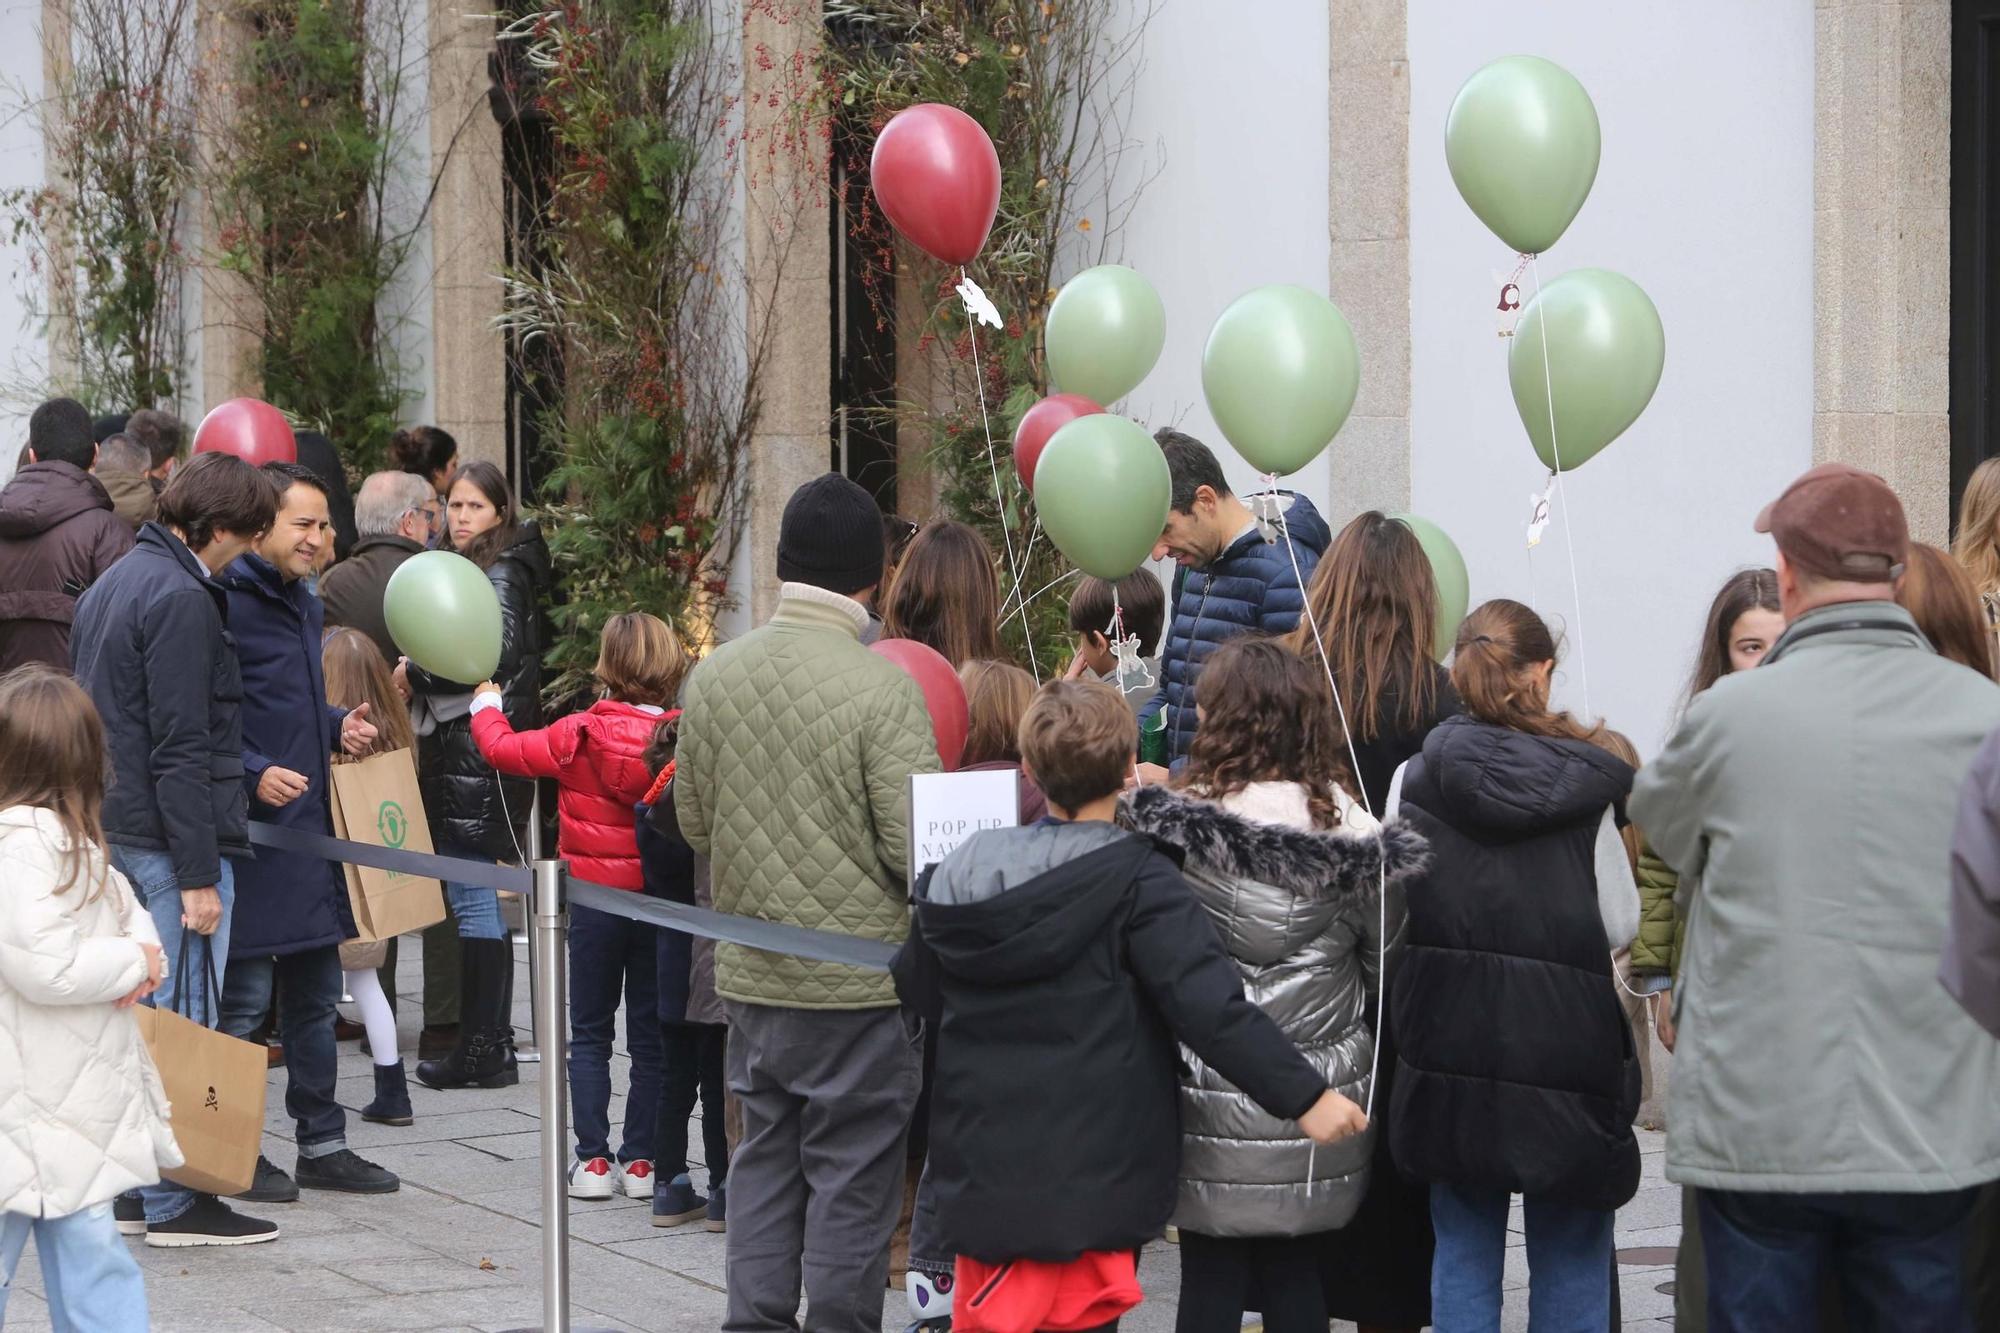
{"x": 232, "y": 322}
{"x": 468, "y": 237}
{"x": 787, "y": 263}
{"x": 1368, "y": 107}
{"x": 1882, "y": 248}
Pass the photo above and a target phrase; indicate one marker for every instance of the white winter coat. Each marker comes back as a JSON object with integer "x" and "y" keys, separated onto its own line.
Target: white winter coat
{"x": 83, "y": 1117}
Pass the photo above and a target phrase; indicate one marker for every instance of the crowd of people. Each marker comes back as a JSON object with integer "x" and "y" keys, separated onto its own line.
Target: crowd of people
{"x": 1306, "y": 949}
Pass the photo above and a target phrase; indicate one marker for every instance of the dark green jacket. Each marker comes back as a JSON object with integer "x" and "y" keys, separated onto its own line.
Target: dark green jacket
{"x": 1656, "y": 951}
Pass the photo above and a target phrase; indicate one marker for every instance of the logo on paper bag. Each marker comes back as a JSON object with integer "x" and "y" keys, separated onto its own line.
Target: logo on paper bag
{"x": 210, "y": 1103}
{"x": 391, "y": 823}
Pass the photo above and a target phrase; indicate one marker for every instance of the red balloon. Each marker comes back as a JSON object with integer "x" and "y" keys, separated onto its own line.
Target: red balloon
{"x": 944, "y": 694}
{"x": 937, "y": 177}
{"x": 1041, "y": 421}
{"x": 254, "y": 431}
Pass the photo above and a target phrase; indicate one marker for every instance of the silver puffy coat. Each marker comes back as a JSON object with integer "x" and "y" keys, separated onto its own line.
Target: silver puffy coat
{"x": 1300, "y": 911}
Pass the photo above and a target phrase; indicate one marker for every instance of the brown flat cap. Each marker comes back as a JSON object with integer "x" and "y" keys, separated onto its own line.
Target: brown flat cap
{"x": 1840, "y": 522}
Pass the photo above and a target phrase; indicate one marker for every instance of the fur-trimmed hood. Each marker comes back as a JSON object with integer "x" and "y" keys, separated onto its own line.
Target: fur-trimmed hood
{"x": 1271, "y": 887}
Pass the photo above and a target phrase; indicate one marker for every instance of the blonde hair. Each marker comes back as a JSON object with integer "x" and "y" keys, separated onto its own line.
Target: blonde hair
{"x": 640, "y": 660}
{"x": 1977, "y": 545}
{"x": 997, "y": 695}
{"x": 52, "y": 757}
{"x": 357, "y": 673}
{"x": 1077, "y": 742}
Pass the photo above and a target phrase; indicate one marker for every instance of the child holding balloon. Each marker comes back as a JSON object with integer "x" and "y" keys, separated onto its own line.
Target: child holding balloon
{"x": 597, "y": 758}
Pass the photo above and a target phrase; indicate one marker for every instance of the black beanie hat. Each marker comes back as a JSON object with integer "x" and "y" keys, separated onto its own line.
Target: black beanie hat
{"x": 831, "y": 536}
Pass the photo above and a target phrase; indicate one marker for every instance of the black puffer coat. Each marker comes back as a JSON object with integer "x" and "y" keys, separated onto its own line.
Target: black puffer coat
{"x": 1057, "y": 965}
{"x": 463, "y": 796}
{"x": 1516, "y": 1069}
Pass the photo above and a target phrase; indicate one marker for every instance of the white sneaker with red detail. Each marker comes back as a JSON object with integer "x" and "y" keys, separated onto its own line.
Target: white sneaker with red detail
{"x": 637, "y": 1179}
{"x": 593, "y": 1179}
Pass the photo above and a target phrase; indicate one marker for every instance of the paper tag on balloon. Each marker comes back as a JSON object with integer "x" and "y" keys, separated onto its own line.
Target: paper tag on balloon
{"x": 1507, "y": 309}
{"x": 1267, "y": 506}
{"x": 1538, "y": 517}
{"x": 978, "y": 306}
{"x": 1130, "y": 673}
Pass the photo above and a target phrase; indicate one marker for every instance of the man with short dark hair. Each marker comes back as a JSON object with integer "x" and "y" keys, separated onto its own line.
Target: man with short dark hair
{"x": 291, "y": 908}
{"x": 1831, "y": 1104}
{"x": 58, "y": 534}
{"x": 164, "y": 437}
{"x": 152, "y": 652}
{"x": 1233, "y": 579}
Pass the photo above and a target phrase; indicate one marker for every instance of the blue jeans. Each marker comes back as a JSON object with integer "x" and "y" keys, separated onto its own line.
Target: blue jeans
{"x": 307, "y": 987}
{"x": 152, "y": 876}
{"x": 1899, "y": 1259}
{"x": 1569, "y": 1262}
{"x": 91, "y": 1280}
{"x": 476, "y": 910}
{"x": 609, "y": 956}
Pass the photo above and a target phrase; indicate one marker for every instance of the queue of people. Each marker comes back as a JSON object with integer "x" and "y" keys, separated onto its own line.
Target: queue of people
{"x": 1304, "y": 946}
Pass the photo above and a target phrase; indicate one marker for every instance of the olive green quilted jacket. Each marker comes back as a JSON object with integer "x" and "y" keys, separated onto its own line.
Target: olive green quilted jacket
{"x": 793, "y": 766}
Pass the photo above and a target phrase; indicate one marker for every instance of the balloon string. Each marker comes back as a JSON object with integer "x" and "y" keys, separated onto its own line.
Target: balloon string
{"x": 1027, "y": 563}
{"x": 1063, "y": 577}
{"x": 1569, "y": 520}
{"x": 993, "y": 463}
{"x": 1354, "y": 773}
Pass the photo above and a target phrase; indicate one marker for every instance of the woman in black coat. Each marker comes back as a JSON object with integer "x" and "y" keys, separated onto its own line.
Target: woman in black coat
{"x": 1375, "y": 602}
{"x": 474, "y": 813}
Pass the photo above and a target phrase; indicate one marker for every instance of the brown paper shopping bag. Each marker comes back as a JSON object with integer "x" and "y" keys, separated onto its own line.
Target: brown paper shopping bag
{"x": 375, "y": 800}
{"x": 215, "y": 1084}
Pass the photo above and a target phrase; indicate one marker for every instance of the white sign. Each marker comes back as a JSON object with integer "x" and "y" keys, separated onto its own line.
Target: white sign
{"x": 948, "y": 808}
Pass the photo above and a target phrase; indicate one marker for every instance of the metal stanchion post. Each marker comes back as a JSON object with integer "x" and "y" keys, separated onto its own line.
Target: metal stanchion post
{"x": 551, "y": 926}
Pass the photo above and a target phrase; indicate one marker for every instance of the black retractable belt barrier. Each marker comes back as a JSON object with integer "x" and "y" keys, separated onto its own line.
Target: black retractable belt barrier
{"x": 821, "y": 946}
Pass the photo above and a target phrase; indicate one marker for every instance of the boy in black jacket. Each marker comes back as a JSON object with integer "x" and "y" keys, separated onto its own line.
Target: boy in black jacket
{"x": 1057, "y": 966}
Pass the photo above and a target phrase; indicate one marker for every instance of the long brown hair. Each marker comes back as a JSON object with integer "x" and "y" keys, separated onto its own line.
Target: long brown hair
{"x": 356, "y": 674}
{"x": 491, "y": 482}
{"x": 1938, "y": 594}
{"x": 1375, "y": 601}
{"x": 1745, "y": 590}
{"x": 947, "y": 596}
{"x": 1266, "y": 717}
{"x": 1493, "y": 668}
{"x": 1977, "y": 544}
{"x": 52, "y": 756}
{"x": 997, "y": 695}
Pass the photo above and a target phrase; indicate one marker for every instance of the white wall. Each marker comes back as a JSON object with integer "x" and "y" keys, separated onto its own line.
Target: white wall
{"x": 1233, "y": 116}
{"x": 1704, "y": 198}
{"x": 23, "y": 345}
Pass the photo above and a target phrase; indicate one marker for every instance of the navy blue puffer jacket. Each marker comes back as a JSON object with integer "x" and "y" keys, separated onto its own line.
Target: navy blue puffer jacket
{"x": 1251, "y": 588}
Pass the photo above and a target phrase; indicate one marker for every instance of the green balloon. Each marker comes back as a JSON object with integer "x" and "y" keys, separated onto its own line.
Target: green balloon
{"x": 1102, "y": 490}
{"x": 444, "y": 615}
{"x": 1106, "y": 328}
{"x": 1522, "y": 144}
{"x": 1280, "y": 373}
{"x": 1605, "y": 353}
{"x": 1448, "y": 571}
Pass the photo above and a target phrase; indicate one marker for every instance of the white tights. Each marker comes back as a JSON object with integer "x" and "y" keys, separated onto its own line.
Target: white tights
{"x": 376, "y": 1016}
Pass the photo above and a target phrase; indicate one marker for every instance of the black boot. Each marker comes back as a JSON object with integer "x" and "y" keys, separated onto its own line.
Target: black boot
{"x": 392, "y": 1097}
{"x": 484, "y": 1057}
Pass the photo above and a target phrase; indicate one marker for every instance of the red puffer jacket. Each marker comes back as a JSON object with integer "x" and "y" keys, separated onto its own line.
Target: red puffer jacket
{"x": 597, "y": 758}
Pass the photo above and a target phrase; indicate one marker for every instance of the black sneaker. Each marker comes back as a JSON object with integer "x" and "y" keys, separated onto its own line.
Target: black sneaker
{"x": 129, "y": 1212}
{"x": 718, "y": 1208}
{"x": 676, "y": 1203}
{"x": 347, "y": 1173}
{"x": 209, "y": 1222}
{"x": 272, "y": 1185}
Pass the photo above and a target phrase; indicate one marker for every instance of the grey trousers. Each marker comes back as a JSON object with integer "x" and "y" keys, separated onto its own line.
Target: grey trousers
{"x": 817, "y": 1181}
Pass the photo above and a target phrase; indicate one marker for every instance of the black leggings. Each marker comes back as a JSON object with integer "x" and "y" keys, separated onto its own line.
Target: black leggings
{"x": 1221, "y": 1277}
{"x": 693, "y": 1060}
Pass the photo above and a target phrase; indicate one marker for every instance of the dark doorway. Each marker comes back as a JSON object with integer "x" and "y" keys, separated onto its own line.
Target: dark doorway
{"x": 528, "y": 165}
{"x": 1975, "y": 237}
